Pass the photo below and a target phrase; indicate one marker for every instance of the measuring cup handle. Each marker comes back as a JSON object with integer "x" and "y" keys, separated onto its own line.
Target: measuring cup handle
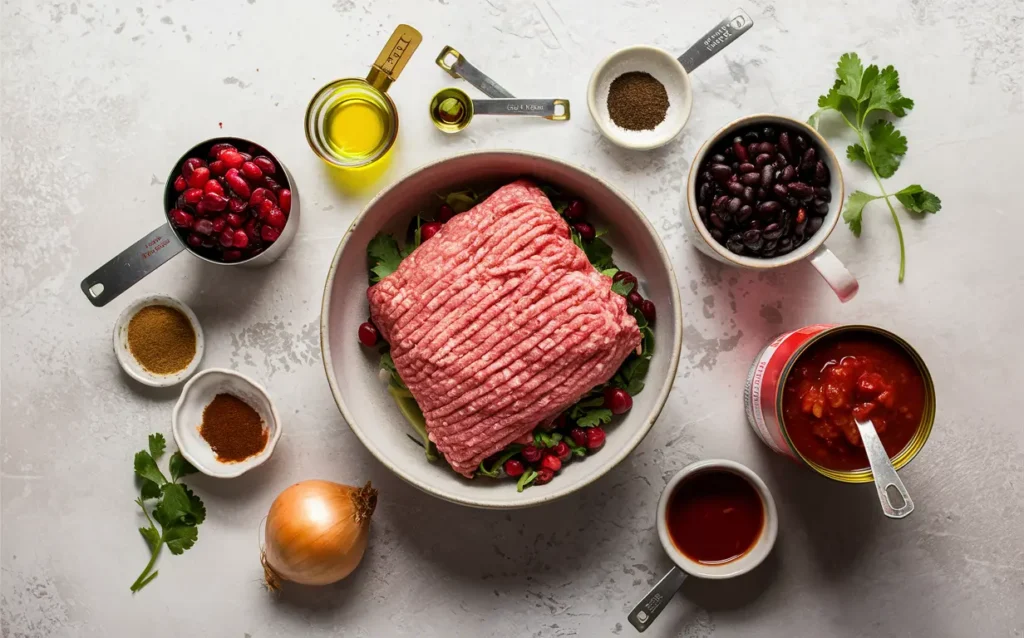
{"x": 654, "y": 602}
{"x": 134, "y": 263}
{"x": 716, "y": 39}
{"x": 393, "y": 57}
{"x": 841, "y": 280}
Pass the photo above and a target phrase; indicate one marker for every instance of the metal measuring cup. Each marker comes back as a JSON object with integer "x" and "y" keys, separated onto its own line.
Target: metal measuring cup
{"x": 385, "y": 70}
{"x": 451, "y": 109}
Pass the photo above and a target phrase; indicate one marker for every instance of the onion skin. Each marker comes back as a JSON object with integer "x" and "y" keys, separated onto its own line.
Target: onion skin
{"x": 316, "y": 532}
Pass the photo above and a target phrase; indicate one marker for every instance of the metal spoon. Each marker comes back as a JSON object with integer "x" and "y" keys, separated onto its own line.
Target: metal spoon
{"x": 461, "y": 68}
{"x": 716, "y": 39}
{"x": 654, "y": 602}
{"x": 452, "y": 109}
{"x": 883, "y": 471}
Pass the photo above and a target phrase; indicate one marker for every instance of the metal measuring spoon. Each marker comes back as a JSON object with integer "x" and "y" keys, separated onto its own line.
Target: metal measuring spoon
{"x": 654, "y": 602}
{"x": 452, "y": 109}
{"x": 461, "y": 68}
{"x": 716, "y": 39}
{"x": 883, "y": 471}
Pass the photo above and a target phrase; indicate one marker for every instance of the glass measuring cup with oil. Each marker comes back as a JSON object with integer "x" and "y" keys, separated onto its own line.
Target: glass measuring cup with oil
{"x": 354, "y": 122}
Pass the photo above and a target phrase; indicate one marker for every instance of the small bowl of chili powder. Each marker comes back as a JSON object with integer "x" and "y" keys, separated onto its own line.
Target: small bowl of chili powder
{"x": 225, "y": 423}
{"x": 158, "y": 341}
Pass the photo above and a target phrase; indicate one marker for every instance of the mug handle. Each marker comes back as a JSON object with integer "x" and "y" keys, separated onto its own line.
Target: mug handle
{"x": 834, "y": 273}
{"x": 134, "y": 263}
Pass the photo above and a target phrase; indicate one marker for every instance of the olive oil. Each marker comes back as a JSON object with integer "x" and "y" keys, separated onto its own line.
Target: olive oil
{"x": 356, "y": 128}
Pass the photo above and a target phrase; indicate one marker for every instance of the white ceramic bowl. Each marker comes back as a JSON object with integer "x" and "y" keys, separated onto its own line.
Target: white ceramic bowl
{"x": 352, "y": 369}
{"x": 188, "y": 416}
{"x": 666, "y": 69}
{"x": 762, "y": 546}
{"x": 128, "y": 361}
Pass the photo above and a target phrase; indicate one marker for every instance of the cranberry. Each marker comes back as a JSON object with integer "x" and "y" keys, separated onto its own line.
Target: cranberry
{"x": 180, "y": 184}
{"x": 285, "y": 200}
{"x": 235, "y": 220}
{"x": 575, "y": 210}
{"x": 198, "y": 177}
{"x": 251, "y": 171}
{"x": 264, "y": 208}
{"x": 429, "y": 230}
{"x": 634, "y": 299}
{"x": 595, "y": 438}
{"x": 531, "y": 453}
{"x": 368, "y": 334}
{"x": 231, "y": 255}
{"x": 617, "y": 400}
{"x": 241, "y": 239}
{"x": 251, "y": 230}
{"x": 551, "y": 462}
{"x": 271, "y": 183}
{"x": 203, "y": 227}
{"x": 265, "y": 164}
{"x": 213, "y": 186}
{"x": 193, "y": 195}
{"x": 445, "y": 214}
{"x": 201, "y": 209}
{"x": 236, "y": 205}
{"x": 231, "y": 158}
{"x": 276, "y": 218}
{"x": 218, "y": 167}
{"x": 562, "y": 451}
{"x": 219, "y": 224}
{"x": 648, "y": 310}
{"x": 215, "y": 202}
{"x": 260, "y": 194}
{"x": 181, "y": 219}
{"x": 269, "y": 233}
{"x": 585, "y": 230}
{"x": 514, "y": 467}
{"x": 189, "y": 167}
{"x": 227, "y": 238}
{"x": 579, "y": 436}
{"x": 623, "y": 275}
{"x": 232, "y": 172}
{"x": 238, "y": 184}
{"x": 216, "y": 149}
{"x": 194, "y": 240}
{"x": 544, "y": 475}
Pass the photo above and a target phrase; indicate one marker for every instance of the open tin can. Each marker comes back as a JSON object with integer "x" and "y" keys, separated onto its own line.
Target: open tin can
{"x": 763, "y": 396}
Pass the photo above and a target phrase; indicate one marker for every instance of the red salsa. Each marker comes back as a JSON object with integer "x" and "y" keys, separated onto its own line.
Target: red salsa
{"x": 851, "y": 373}
{"x": 714, "y": 516}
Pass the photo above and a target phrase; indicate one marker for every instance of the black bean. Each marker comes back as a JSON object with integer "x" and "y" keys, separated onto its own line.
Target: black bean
{"x": 809, "y": 157}
{"x": 752, "y": 149}
{"x": 823, "y": 194}
{"x": 814, "y": 224}
{"x": 800, "y": 227}
{"x": 717, "y": 234}
{"x": 721, "y": 172}
{"x": 772, "y": 231}
{"x": 769, "y": 133}
{"x": 768, "y": 208}
{"x": 719, "y": 203}
{"x": 718, "y": 158}
{"x": 821, "y": 175}
{"x": 821, "y": 209}
{"x": 749, "y": 179}
{"x": 780, "y": 191}
{"x": 747, "y": 167}
{"x": 744, "y": 214}
{"x": 762, "y": 193}
{"x": 752, "y": 239}
{"x": 762, "y": 159}
{"x": 706, "y": 176}
{"x": 703, "y": 210}
{"x": 799, "y": 145}
{"x": 781, "y": 161}
{"x": 751, "y": 136}
{"x": 717, "y": 221}
{"x": 704, "y": 192}
{"x": 735, "y": 166}
{"x": 787, "y": 150}
{"x": 748, "y": 194}
{"x": 738, "y": 150}
{"x": 785, "y": 244}
{"x": 734, "y": 205}
{"x": 735, "y": 244}
{"x": 768, "y": 251}
{"x": 788, "y": 174}
{"x": 801, "y": 191}
{"x": 755, "y": 225}
{"x": 791, "y": 202}
{"x": 735, "y": 188}
{"x": 767, "y": 176}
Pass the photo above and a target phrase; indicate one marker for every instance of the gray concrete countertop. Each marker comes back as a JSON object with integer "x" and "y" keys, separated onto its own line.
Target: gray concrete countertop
{"x": 99, "y": 98}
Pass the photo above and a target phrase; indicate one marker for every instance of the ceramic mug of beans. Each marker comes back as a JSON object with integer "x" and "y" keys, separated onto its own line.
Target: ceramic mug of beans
{"x": 764, "y": 192}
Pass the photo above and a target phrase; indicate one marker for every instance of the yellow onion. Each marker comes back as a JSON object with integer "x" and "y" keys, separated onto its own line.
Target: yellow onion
{"x": 316, "y": 532}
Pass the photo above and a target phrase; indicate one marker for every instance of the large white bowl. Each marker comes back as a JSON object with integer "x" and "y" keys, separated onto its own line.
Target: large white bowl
{"x": 352, "y": 369}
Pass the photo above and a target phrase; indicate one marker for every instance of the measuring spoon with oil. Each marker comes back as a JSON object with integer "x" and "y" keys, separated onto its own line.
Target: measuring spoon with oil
{"x": 451, "y": 109}
{"x": 353, "y": 122}
{"x": 884, "y": 473}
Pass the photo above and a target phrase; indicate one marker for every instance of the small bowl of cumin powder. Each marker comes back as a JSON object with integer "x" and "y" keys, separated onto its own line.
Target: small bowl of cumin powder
{"x": 225, "y": 423}
{"x": 158, "y": 341}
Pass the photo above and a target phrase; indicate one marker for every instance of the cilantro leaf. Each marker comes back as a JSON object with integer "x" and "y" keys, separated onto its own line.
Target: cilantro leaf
{"x": 383, "y": 256}
{"x": 174, "y": 507}
{"x": 146, "y": 467}
{"x": 887, "y": 147}
{"x": 152, "y": 537}
{"x": 528, "y": 477}
{"x": 150, "y": 490}
{"x": 647, "y": 343}
{"x": 855, "y": 209}
{"x": 609, "y": 272}
{"x": 885, "y": 95}
{"x": 195, "y": 506}
{"x": 622, "y": 287}
{"x": 918, "y": 200}
{"x": 641, "y": 320}
{"x": 180, "y": 467}
{"x": 180, "y": 538}
{"x": 461, "y": 201}
{"x": 495, "y": 470}
{"x": 850, "y": 70}
{"x": 157, "y": 445}
{"x": 599, "y": 253}
{"x": 577, "y": 450}
{"x": 595, "y": 417}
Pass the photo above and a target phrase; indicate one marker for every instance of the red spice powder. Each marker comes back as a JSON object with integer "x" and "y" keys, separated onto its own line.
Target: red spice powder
{"x": 233, "y": 429}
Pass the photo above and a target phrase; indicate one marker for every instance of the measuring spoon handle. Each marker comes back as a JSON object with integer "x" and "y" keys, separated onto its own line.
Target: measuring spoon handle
{"x": 461, "y": 68}
{"x": 883, "y": 471}
{"x": 134, "y": 263}
{"x": 557, "y": 110}
{"x": 716, "y": 39}
{"x": 654, "y": 602}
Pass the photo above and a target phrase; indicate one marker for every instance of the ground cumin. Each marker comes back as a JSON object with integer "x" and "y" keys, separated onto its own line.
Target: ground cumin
{"x": 161, "y": 339}
{"x": 637, "y": 101}
{"x": 232, "y": 428}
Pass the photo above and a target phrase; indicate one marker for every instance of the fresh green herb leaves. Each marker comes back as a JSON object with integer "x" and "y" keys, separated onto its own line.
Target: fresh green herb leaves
{"x": 599, "y": 253}
{"x": 495, "y": 470}
{"x": 622, "y": 287}
{"x": 546, "y": 439}
{"x": 178, "y": 511}
{"x": 526, "y": 479}
{"x": 857, "y": 93}
{"x": 594, "y": 417}
{"x": 383, "y": 256}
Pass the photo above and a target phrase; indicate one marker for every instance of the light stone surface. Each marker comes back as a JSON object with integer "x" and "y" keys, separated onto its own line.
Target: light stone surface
{"x": 100, "y": 97}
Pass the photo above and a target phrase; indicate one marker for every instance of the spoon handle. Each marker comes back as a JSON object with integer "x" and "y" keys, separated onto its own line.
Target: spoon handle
{"x": 461, "y": 68}
{"x": 716, "y": 39}
{"x": 551, "y": 109}
{"x": 884, "y": 472}
{"x": 654, "y": 602}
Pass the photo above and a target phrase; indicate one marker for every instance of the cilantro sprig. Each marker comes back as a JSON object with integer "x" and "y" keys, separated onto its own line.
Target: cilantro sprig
{"x": 858, "y": 93}
{"x": 178, "y": 511}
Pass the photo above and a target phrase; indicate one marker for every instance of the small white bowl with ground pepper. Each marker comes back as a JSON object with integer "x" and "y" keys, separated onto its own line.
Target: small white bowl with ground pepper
{"x": 158, "y": 341}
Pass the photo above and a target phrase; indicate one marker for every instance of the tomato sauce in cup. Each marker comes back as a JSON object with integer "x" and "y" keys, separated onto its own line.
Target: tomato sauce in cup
{"x": 714, "y": 516}
{"x": 847, "y": 375}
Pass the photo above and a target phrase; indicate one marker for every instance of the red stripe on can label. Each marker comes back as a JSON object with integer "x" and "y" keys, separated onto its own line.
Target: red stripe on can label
{"x": 761, "y": 392}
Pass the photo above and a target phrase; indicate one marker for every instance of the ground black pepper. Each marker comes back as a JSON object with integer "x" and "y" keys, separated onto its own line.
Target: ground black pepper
{"x": 637, "y": 101}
